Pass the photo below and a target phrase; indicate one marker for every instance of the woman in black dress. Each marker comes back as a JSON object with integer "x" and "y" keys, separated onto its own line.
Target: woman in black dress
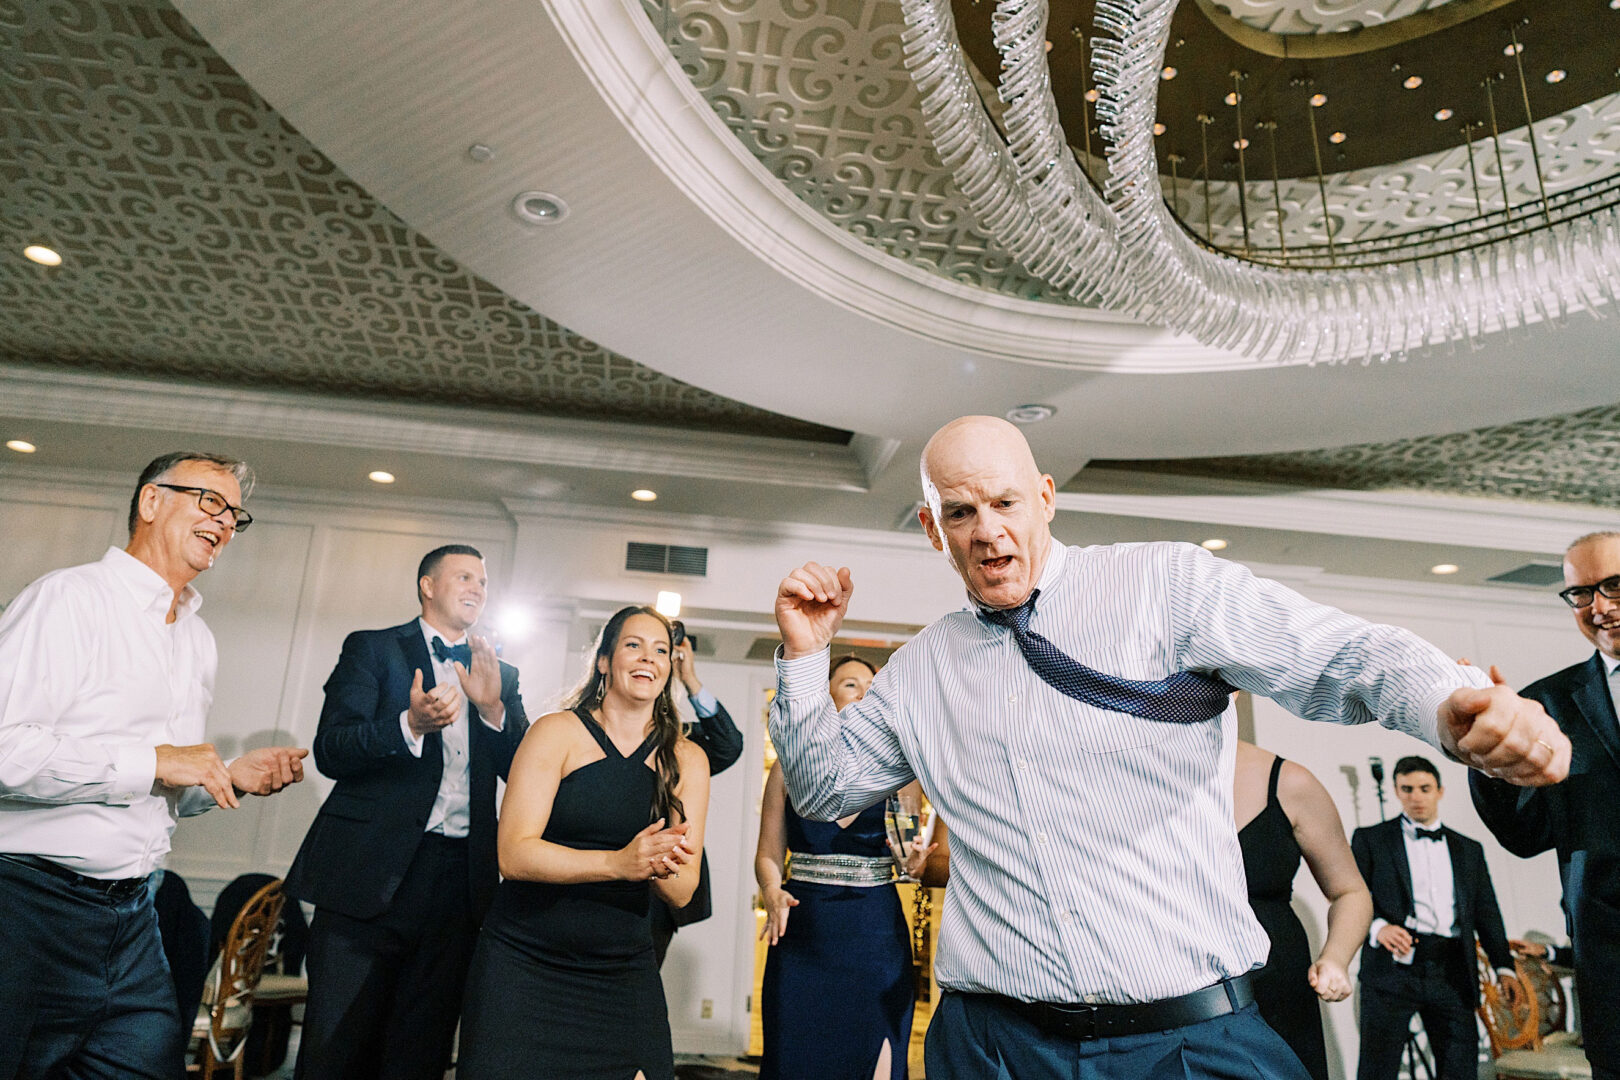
{"x": 1286, "y": 814}
{"x": 605, "y": 802}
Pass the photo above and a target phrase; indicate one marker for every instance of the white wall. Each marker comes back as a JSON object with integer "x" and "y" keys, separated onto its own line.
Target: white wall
{"x": 314, "y": 568}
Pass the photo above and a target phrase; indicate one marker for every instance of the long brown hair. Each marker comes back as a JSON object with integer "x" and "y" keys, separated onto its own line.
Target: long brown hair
{"x": 666, "y": 723}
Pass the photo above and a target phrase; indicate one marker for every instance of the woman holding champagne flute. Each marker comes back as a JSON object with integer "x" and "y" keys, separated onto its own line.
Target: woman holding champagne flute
{"x": 839, "y": 983}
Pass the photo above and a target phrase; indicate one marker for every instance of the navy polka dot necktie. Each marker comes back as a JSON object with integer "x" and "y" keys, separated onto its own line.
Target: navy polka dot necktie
{"x": 1187, "y": 697}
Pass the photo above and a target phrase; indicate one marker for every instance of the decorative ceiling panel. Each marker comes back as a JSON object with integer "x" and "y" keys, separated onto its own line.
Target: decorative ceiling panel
{"x": 205, "y": 239}
{"x": 1573, "y": 458}
{"x": 1321, "y": 16}
{"x": 818, "y": 92}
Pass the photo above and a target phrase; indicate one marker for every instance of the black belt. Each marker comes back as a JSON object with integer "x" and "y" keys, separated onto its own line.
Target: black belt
{"x": 1084, "y": 1022}
{"x": 1435, "y": 949}
{"x": 115, "y": 890}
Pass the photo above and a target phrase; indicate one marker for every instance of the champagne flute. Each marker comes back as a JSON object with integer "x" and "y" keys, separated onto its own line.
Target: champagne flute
{"x": 906, "y": 821}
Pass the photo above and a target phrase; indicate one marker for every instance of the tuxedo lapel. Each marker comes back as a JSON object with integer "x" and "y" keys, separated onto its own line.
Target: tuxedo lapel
{"x": 1395, "y": 837}
{"x": 414, "y": 648}
{"x": 1597, "y": 707}
{"x": 1462, "y": 895}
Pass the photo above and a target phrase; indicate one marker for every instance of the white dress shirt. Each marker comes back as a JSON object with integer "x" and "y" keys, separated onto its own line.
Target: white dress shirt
{"x": 1434, "y": 901}
{"x": 92, "y": 681}
{"x": 1609, "y": 664}
{"x": 451, "y": 813}
{"x": 1093, "y": 853}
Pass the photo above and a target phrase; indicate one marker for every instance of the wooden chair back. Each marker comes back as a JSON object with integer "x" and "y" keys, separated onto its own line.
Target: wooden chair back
{"x": 241, "y": 962}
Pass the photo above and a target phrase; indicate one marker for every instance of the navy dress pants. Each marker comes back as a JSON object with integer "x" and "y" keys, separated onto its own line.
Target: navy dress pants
{"x": 973, "y": 1038}
{"x": 85, "y": 991}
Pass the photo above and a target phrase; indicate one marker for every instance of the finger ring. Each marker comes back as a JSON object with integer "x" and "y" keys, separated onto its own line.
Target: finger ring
{"x": 1543, "y": 742}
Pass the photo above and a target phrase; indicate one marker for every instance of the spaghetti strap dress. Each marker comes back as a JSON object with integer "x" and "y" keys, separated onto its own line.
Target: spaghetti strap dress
{"x": 564, "y": 983}
{"x": 840, "y": 982}
{"x": 1271, "y": 858}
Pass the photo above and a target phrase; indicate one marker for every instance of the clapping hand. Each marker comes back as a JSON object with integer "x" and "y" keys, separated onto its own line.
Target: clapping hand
{"x": 482, "y": 680}
{"x": 655, "y": 852}
{"x": 810, "y": 607}
{"x": 267, "y": 770}
{"x": 433, "y": 709}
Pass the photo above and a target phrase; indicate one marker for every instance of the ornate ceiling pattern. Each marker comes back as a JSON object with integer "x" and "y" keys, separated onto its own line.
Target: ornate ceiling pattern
{"x": 1321, "y": 16}
{"x": 205, "y": 239}
{"x": 1562, "y": 459}
{"x": 817, "y": 91}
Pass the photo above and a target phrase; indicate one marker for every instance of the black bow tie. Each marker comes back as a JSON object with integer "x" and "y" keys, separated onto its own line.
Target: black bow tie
{"x": 1437, "y": 833}
{"x": 443, "y": 652}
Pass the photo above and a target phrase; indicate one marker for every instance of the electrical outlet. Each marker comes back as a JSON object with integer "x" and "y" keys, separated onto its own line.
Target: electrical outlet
{"x": 707, "y": 1012}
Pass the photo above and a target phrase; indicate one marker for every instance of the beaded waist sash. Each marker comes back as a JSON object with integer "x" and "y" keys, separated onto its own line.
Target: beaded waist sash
{"x": 840, "y": 869}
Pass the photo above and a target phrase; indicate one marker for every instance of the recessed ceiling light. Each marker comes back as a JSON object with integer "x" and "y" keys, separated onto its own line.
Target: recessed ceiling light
{"x": 1557, "y": 75}
{"x": 42, "y": 255}
{"x": 380, "y": 477}
{"x": 1443, "y": 114}
{"x": 1158, "y": 129}
{"x": 1318, "y": 100}
{"x": 668, "y": 605}
{"x": 1336, "y": 137}
{"x": 1412, "y": 82}
{"x": 1091, "y": 95}
{"x": 481, "y": 152}
{"x": 1031, "y": 414}
{"x": 644, "y": 495}
{"x": 1241, "y": 144}
{"x": 1444, "y": 568}
{"x": 1048, "y": 46}
{"x": 539, "y": 207}
{"x": 1167, "y": 74}
{"x": 22, "y": 446}
{"x": 1233, "y": 98}
{"x": 1512, "y": 50}
{"x": 1214, "y": 543}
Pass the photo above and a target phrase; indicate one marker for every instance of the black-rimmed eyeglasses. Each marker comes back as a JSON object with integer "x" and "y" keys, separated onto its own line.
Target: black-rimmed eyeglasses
{"x": 214, "y": 504}
{"x": 1579, "y": 596}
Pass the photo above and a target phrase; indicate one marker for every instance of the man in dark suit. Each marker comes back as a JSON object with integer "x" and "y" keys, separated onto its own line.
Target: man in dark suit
{"x": 1431, "y": 895}
{"x": 1580, "y": 817}
{"x": 717, "y": 736}
{"x": 400, "y": 862}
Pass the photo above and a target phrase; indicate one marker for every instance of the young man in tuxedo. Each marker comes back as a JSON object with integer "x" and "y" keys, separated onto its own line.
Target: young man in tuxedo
{"x": 1580, "y": 817}
{"x": 400, "y": 863}
{"x": 1431, "y": 895}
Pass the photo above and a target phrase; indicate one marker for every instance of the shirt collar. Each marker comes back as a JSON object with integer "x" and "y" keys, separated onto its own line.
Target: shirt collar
{"x": 428, "y": 634}
{"x": 1410, "y": 827}
{"x": 151, "y": 593}
{"x": 1056, "y": 556}
{"x": 1609, "y": 663}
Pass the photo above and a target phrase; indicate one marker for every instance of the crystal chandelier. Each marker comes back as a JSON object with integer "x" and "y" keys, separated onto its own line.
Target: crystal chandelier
{"x": 1111, "y": 238}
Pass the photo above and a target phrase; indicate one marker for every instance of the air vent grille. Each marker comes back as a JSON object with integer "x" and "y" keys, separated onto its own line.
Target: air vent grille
{"x": 666, "y": 559}
{"x": 1537, "y": 575}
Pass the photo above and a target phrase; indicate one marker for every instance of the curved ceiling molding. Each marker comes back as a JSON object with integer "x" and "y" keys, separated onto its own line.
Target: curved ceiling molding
{"x": 1321, "y": 16}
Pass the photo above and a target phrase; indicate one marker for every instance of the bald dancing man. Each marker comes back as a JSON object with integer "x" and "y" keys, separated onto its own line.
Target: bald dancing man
{"x": 1072, "y": 728}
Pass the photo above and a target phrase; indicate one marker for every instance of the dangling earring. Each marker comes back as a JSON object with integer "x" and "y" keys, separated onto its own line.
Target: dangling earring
{"x": 601, "y": 691}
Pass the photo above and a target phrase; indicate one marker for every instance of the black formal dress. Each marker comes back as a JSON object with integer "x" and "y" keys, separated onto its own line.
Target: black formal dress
{"x": 1580, "y": 819}
{"x": 1271, "y": 858}
{"x": 564, "y": 983}
{"x": 396, "y": 907}
{"x": 1441, "y": 984}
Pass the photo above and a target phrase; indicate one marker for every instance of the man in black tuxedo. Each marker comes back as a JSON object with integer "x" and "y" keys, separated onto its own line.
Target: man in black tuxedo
{"x": 717, "y": 736}
{"x": 400, "y": 862}
{"x": 1431, "y": 895}
{"x": 1580, "y": 817}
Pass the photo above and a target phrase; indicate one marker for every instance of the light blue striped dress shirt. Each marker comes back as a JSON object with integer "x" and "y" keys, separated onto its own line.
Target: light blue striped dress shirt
{"x": 1093, "y": 853}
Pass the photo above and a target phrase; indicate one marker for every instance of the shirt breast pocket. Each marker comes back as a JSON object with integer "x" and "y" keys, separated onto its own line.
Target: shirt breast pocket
{"x": 1101, "y": 731}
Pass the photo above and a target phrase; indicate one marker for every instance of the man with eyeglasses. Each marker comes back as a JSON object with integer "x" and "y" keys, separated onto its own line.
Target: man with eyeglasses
{"x": 106, "y": 678}
{"x": 1580, "y": 818}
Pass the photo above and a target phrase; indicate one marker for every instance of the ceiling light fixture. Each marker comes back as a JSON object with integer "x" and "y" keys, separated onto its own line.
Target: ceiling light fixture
{"x": 1318, "y": 100}
{"x": 1158, "y": 129}
{"x": 644, "y": 495}
{"x": 1031, "y": 414}
{"x": 22, "y": 446}
{"x": 1232, "y": 98}
{"x": 1167, "y": 74}
{"x": 1412, "y": 82}
{"x": 1091, "y": 95}
{"x": 1214, "y": 543}
{"x": 1336, "y": 138}
{"x": 1443, "y": 114}
{"x": 1557, "y": 75}
{"x": 1444, "y": 568}
{"x": 41, "y": 254}
{"x": 1514, "y": 49}
{"x": 1241, "y": 144}
{"x": 378, "y": 476}
{"x": 539, "y": 208}
{"x": 668, "y": 605}
{"x": 481, "y": 152}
